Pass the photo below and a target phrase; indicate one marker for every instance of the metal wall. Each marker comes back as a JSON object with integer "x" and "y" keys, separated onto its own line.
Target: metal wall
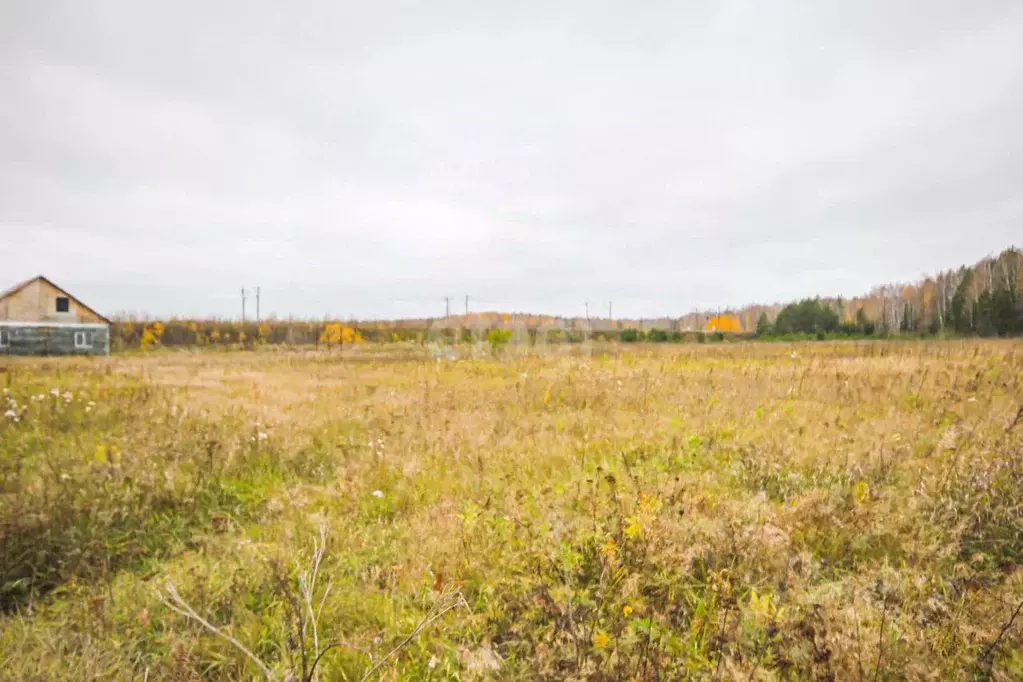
{"x": 43, "y": 339}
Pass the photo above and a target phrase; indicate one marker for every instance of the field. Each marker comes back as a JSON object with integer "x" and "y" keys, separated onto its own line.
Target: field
{"x": 721, "y": 511}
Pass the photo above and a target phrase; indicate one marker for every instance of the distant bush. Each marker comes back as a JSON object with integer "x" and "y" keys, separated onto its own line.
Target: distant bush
{"x": 657, "y": 336}
{"x": 498, "y": 338}
{"x": 631, "y": 335}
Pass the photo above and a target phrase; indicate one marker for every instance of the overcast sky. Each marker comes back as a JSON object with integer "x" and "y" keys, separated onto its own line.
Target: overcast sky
{"x": 370, "y": 158}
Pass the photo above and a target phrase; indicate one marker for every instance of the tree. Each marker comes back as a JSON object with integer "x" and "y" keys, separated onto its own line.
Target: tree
{"x": 995, "y": 313}
{"x": 808, "y": 316}
{"x": 764, "y": 326}
{"x": 909, "y": 321}
{"x": 960, "y": 313}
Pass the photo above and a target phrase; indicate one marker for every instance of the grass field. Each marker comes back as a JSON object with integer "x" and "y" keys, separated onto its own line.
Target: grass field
{"x": 732, "y": 511}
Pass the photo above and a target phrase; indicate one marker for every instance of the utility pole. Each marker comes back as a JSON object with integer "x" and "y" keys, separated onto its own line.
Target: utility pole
{"x": 587, "y": 304}
{"x": 467, "y": 306}
{"x": 243, "y": 305}
{"x": 609, "y": 316}
{"x": 447, "y": 307}
{"x": 257, "y": 305}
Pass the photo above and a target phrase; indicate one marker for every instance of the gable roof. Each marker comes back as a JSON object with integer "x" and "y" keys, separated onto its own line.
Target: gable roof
{"x": 40, "y": 278}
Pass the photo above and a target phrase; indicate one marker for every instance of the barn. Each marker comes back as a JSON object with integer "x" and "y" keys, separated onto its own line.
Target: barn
{"x": 37, "y": 317}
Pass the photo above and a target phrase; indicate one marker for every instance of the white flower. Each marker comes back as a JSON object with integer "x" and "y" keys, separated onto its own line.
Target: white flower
{"x": 261, "y": 436}
{"x": 972, "y": 399}
{"x": 88, "y": 408}
{"x": 378, "y": 493}
{"x": 794, "y": 355}
{"x": 92, "y": 404}
{"x": 10, "y": 414}
{"x": 55, "y": 392}
{"x": 68, "y": 396}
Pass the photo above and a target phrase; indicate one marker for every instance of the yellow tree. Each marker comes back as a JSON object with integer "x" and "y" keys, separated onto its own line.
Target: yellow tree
{"x": 724, "y": 323}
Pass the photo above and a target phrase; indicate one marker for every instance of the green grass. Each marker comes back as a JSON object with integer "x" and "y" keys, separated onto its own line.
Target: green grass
{"x": 737, "y": 511}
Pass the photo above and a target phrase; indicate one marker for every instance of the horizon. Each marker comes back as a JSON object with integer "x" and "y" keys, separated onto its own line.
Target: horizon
{"x": 130, "y": 315}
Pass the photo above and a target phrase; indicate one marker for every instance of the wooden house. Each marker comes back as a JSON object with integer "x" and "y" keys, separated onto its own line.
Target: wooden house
{"x": 37, "y": 317}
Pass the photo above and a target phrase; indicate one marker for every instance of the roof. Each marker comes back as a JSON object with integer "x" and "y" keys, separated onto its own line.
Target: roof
{"x": 18, "y": 287}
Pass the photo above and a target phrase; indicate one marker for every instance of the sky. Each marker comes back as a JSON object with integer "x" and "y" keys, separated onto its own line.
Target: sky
{"x": 369, "y": 159}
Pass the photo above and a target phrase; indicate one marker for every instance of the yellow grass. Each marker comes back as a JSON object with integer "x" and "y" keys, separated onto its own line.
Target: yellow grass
{"x": 721, "y": 511}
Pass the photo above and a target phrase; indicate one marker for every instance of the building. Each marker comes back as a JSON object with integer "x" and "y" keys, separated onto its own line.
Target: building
{"x": 39, "y": 318}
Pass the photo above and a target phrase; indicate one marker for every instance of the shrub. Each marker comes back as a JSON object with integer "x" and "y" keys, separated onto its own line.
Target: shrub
{"x": 498, "y": 339}
{"x": 631, "y": 335}
{"x": 657, "y": 336}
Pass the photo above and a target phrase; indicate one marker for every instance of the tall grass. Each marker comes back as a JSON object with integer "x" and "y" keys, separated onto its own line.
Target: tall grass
{"x": 802, "y": 511}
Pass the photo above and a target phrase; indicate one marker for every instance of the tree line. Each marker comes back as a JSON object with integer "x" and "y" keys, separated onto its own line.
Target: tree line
{"x": 983, "y": 300}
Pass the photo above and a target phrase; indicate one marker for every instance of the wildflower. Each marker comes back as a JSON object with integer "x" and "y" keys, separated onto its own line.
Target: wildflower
{"x": 10, "y": 414}
{"x": 626, "y": 610}
{"x": 601, "y": 639}
{"x": 55, "y": 392}
{"x": 68, "y": 396}
{"x": 261, "y": 436}
{"x": 610, "y": 547}
{"x": 378, "y": 493}
{"x": 88, "y": 408}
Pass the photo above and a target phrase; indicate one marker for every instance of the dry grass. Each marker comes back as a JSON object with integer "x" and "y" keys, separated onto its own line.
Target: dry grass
{"x": 821, "y": 511}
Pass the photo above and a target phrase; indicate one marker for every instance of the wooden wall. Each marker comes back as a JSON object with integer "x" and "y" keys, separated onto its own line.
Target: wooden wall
{"x": 37, "y": 302}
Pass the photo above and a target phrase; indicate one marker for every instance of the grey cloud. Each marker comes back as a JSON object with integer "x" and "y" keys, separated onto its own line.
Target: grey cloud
{"x": 369, "y": 160}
